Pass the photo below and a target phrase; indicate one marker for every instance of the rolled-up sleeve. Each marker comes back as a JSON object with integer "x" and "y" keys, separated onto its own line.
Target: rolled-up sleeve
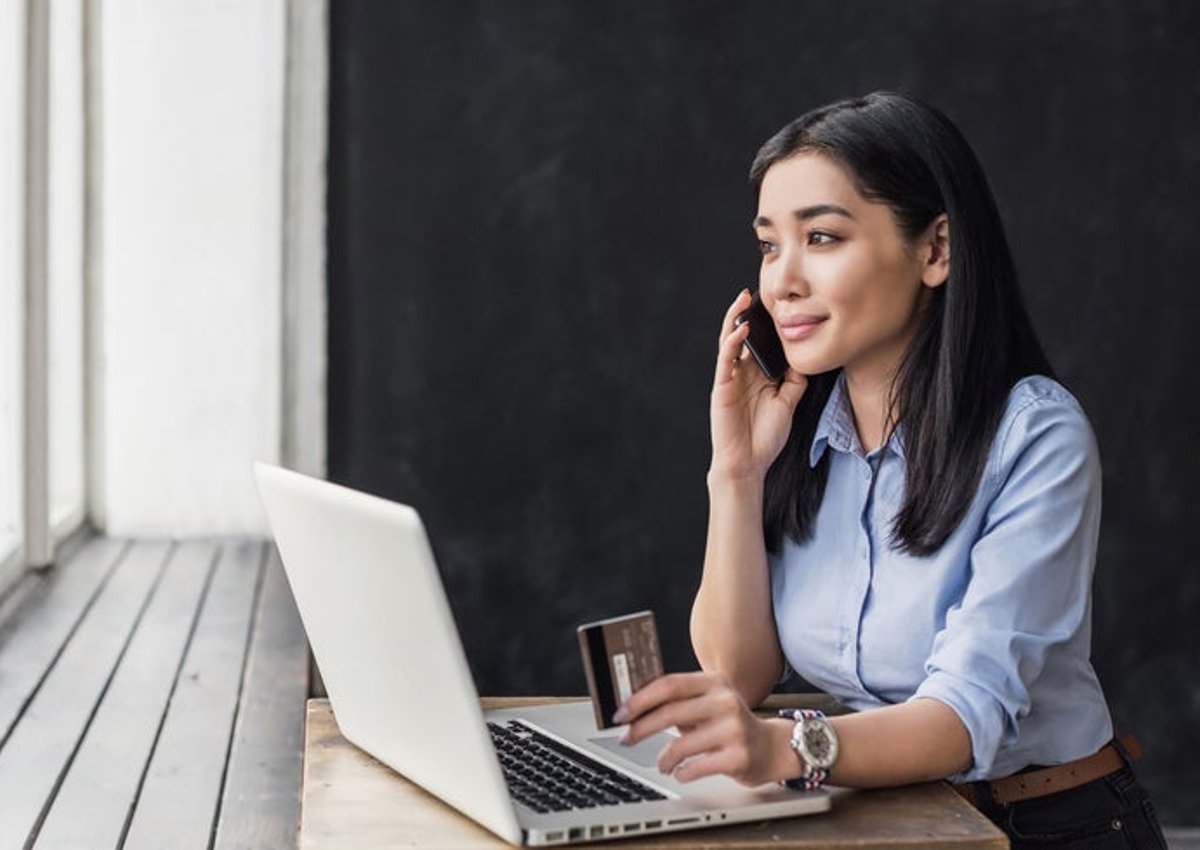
{"x": 1030, "y": 576}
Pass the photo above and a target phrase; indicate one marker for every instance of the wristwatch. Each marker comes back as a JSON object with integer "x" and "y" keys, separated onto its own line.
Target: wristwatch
{"x": 816, "y": 745}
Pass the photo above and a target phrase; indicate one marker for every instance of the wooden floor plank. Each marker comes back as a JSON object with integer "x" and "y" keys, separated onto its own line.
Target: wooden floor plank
{"x": 94, "y": 802}
{"x": 261, "y": 804}
{"x": 44, "y": 740}
{"x": 39, "y": 615}
{"x": 178, "y": 803}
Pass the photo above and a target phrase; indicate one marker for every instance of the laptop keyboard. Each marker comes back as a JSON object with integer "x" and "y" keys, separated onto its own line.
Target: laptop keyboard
{"x": 548, "y": 776}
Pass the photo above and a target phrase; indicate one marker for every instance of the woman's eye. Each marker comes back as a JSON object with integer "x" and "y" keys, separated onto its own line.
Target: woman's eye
{"x": 819, "y": 237}
{"x": 765, "y": 247}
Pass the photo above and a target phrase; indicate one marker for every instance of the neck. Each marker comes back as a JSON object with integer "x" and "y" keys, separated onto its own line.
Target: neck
{"x": 868, "y": 399}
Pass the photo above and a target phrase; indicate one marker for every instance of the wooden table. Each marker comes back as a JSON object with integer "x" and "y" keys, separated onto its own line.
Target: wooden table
{"x": 352, "y": 802}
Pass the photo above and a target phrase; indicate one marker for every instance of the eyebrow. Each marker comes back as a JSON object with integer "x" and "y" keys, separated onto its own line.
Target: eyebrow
{"x": 805, "y": 213}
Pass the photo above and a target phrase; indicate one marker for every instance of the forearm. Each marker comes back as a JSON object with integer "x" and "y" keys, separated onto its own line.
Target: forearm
{"x": 733, "y": 622}
{"x": 916, "y": 741}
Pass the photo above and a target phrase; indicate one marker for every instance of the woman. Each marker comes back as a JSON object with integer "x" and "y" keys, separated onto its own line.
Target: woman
{"x": 908, "y": 519}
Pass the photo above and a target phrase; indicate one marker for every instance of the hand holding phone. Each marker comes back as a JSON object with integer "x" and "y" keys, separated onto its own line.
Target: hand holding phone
{"x": 763, "y": 342}
{"x": 751, "y": 406}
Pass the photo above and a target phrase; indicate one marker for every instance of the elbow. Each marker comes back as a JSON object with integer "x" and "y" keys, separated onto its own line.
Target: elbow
{"x": 754, "y": 692}
{"x": 752, "y": 671}
{"x": 950, "y": 743}
{"x": 751, "y": 687}
{"x": 955, "y": 759}
{"x": 962, "y": 756}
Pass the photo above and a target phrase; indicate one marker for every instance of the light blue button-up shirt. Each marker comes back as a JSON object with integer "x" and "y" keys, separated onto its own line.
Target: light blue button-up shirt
{"x": 996, "y": 624}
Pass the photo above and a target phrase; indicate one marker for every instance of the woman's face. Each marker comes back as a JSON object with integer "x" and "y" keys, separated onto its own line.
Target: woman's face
{"x": 843, "y": 286}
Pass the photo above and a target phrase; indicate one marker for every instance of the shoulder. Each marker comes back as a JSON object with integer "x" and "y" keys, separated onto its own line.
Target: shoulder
{"x": 1042, "y": 418}
{"x": 1040, "y": 394}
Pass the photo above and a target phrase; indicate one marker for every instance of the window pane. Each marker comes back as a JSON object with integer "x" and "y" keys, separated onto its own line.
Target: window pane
{"x": 12, "y": 52}
{"x": 66, "y": 265}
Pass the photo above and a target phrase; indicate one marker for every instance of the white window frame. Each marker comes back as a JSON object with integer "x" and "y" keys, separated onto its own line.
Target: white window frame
{"x": 35, "y": 543}
{"x": 65, "y": 270}
{"x": 37, "y": 539}
{"x": 303, "y": 308}
{"x": 305, "y": 318}
{"x": 43, "y": 525}
{"x": 15, "y": 33}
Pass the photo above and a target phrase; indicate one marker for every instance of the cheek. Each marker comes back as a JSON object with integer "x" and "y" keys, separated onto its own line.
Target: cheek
{"x": 766, "y": 280}
{"x": 862, "y": 318}
{"x": 868, "y": 322}
{"x": 874, "y": 295}
{"x": 846, "y": 291}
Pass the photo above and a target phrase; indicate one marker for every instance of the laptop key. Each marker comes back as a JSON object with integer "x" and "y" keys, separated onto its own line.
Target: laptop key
{"x": 548, "y": 776}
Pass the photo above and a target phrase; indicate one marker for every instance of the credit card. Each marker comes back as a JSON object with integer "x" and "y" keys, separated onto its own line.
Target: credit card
{"x": 620, "y": 655}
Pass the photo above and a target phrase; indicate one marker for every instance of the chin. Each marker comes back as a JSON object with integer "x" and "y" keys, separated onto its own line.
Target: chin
{"x": 811, "y": 365}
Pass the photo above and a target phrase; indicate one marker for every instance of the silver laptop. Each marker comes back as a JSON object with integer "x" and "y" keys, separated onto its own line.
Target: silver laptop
{"x": 381, "y": 630}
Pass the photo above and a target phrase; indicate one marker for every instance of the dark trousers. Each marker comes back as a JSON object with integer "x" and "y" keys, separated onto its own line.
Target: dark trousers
{"x": 1111, "y": 812}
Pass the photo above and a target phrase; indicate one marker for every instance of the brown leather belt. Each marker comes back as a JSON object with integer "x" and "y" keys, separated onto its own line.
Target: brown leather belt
{"x": 1050, "y": 780}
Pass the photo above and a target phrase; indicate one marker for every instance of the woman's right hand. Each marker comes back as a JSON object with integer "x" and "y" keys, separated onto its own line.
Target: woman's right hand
{"x": 751, "y": 416}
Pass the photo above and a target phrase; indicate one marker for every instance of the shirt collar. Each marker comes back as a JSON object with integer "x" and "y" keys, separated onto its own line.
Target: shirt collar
{"x": 836, "y": 428}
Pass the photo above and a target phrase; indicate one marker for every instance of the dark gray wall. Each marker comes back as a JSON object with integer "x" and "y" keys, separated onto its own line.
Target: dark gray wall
{"x": 538, "y": 214}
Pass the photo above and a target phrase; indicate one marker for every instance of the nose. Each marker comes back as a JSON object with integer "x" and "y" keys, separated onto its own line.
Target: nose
{"x": 783, "y": 279}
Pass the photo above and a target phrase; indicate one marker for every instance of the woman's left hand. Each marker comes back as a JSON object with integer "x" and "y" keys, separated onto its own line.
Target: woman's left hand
{"x": 719, "y": 732}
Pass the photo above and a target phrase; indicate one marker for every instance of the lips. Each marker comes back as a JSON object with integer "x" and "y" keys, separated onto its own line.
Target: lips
{"x": 798, "y": 327}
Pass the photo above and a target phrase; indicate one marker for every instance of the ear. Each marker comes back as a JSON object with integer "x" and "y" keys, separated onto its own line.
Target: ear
{"x": 935, "y": 252}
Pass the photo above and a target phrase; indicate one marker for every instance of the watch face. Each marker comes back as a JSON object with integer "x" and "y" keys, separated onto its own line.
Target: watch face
{"x": 819, "y": 744}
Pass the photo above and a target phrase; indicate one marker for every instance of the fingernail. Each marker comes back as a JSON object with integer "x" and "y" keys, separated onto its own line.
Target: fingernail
{"x": 624, "y": 740}
{"x": 622, "y": 715}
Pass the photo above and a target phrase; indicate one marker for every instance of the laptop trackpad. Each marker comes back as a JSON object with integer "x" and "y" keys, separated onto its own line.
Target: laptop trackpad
{"x": 644, "y": 753}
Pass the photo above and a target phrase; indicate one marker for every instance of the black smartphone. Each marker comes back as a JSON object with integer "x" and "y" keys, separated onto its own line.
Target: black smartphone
{"x": 763, "y": 342}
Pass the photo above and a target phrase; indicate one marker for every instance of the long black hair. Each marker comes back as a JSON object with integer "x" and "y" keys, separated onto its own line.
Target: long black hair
{"x": 974, "y": 340}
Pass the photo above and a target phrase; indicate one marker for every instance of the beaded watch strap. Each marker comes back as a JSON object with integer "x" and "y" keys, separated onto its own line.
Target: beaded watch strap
{"x": 813, "y": 777}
